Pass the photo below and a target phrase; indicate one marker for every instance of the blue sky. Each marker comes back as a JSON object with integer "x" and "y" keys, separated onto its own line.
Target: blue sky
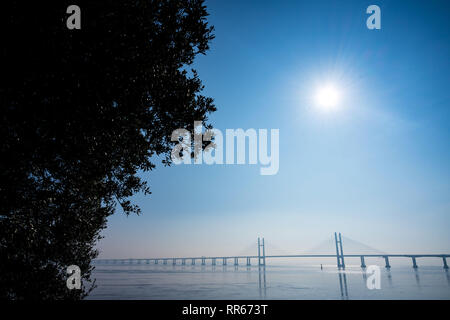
{"x": 376, "y": 168}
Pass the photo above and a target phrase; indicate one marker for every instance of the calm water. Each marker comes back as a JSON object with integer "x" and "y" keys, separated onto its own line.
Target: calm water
{"x": 281, "y": 282}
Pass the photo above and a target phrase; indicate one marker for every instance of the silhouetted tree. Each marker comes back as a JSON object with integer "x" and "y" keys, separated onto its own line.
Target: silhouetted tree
{"x": 82, "y": 112}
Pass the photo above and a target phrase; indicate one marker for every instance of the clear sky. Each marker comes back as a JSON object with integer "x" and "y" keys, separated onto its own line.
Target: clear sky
{"x": 376, "y": 168}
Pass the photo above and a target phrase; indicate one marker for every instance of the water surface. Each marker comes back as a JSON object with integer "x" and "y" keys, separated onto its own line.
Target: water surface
{"x": 149, "y": 281}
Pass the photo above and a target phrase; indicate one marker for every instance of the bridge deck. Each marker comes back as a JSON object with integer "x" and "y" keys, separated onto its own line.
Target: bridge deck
{"x": 289, "y": 256}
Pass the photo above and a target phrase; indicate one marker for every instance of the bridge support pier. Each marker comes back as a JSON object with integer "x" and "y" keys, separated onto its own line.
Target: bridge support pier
{"x": 445, "y": 262}
{"x": 386, "y": 259}
{"x": 174, "y": 261}
{"x": 224, "y": 261}
{"x": 363, "y": 263}
{"x": 193, "y": 262}
{"x": 236, "y": 262}
{"x": 203, "y": 261}
{"x": 415, "y": 266}
{"x": 183, "y": 261}
{"x": 165, "y": 261}
{"x": 213, "y": 261}
{"x": 248, "y": 261}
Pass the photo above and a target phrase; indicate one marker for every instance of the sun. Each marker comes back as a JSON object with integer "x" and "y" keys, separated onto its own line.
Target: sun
{"x": 328, "y": 97}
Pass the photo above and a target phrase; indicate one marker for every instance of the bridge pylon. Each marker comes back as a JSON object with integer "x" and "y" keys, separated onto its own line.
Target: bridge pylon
{"x": 339, "y": 251}
{"x": 261, "y": 253}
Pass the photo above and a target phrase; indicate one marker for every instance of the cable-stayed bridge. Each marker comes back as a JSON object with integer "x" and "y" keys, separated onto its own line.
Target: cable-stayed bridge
{"x": 260, "y": 256}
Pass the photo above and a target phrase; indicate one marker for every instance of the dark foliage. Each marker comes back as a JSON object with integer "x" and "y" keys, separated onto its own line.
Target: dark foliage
{"x": 82, "y": 112}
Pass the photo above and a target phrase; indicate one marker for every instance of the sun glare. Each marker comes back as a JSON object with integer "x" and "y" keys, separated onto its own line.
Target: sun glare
{"x": 328, "y": 97}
